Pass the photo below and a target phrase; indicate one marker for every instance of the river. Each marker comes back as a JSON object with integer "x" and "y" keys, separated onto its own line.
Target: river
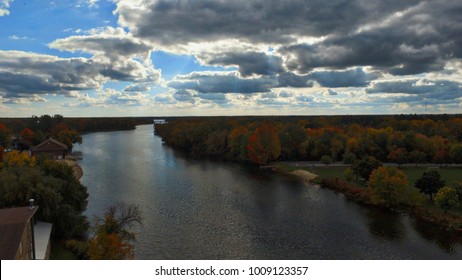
{"x": 203, "y": 209}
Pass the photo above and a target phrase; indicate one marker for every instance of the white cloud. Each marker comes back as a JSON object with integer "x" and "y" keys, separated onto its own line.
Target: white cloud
{"x": 16, "y": 37}
{"x": 91, "y": 4}
{"x": 4, "y": 7}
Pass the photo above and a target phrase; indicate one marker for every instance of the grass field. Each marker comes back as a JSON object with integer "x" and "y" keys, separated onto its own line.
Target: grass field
{"x": 448, "y": 174}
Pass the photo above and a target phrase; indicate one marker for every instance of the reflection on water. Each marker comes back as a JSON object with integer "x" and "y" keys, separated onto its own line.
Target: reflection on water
{"x": 202, "y": 209}
{"x": 386, "y": 225}
{"x": 447, "y": 241}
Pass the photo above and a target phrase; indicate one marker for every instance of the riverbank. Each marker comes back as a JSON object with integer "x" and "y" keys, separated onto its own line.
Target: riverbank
{"x": 78, "y": 172}
{"x": 450, "y": 221}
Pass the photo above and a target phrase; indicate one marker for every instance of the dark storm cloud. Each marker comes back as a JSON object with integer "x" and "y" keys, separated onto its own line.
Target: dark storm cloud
{"x": 219, "y": 83}
{"x": 398, "y": 37}
{"x": 419, "y": 40}
{"x": 275, "y": 21}
{"x": 250, "y": 63}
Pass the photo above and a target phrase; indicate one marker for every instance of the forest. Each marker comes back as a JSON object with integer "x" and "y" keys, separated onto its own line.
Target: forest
{"x": 399, "y": 139}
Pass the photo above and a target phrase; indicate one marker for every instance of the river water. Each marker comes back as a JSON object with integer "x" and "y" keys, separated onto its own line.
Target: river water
{"x": 203, "y": 209}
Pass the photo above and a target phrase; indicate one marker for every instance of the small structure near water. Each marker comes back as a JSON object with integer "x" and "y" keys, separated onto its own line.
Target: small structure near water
{"x": 51, "y": 147}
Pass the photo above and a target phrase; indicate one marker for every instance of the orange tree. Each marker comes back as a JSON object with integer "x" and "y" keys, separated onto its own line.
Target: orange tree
{"x": 112, "y": 236}
{"x": 264, "y": 144}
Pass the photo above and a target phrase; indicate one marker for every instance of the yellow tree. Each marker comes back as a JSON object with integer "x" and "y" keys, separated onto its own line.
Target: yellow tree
{"x": 17, "y": 159}
{"x": 446, "y": 198}
{"x": 387, "y": 186}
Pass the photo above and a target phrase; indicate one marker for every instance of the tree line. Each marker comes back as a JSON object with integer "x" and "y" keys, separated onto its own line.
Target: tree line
{"x": 22, "y": 133}
{"x": 399, "y": 139}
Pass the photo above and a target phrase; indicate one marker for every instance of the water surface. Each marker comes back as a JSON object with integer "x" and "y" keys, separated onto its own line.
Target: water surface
{"x": 203, "y": 209}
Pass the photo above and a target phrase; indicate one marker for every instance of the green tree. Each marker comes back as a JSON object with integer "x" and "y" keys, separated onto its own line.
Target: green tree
{"x": 387, "y": 186}
{"x": 364, "y": 167}
{"x": 60, "y": 197}
{"x": 349, "y": 158}
{"x": 458, "y": 187}
{"x": 456, "y": 153}
{"x": 291, "y": 136}
{"x": 112, "y": 233}
{"x": 429, "y": 183}
{"x": 348, "y": 174}
{"x": 446, "y": 198}
{"x": 326, "y": 159}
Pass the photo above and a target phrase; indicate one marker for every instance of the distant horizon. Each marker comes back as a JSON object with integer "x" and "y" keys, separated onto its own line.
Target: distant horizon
{"x": 220, "y": 116}
{"x": 116, "y": 58}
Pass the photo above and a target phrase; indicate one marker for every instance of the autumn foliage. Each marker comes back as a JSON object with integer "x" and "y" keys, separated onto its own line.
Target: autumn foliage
{"x": 112, "y": 236}
{"x": 399, "y": 139}
{"x": 264, "y": 145}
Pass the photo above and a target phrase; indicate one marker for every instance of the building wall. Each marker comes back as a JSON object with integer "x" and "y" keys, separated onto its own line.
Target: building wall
{"x": 52, "y": 155}
{"x": 25, "y": 247}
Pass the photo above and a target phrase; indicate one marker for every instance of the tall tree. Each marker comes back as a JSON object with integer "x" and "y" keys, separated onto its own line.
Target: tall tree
{"x": 429, "y": 183}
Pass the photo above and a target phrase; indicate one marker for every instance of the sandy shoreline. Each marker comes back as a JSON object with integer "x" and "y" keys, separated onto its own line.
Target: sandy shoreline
{"x": 306, "y": 176}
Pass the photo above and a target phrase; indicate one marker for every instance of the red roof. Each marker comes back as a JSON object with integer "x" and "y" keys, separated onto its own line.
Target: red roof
{"x": 50, "y": 145}
{"x": 13, "y": 222}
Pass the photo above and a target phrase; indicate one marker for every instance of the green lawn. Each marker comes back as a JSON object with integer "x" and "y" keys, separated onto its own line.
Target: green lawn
{"x": 449, "y": 174}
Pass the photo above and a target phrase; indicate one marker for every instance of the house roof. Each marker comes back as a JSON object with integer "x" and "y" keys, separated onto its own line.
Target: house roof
{"x": 50, "y": 145}
{"x": 13, "y": 222}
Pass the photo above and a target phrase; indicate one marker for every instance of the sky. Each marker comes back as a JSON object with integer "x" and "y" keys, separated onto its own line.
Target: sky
{"x": 90, "y": 58}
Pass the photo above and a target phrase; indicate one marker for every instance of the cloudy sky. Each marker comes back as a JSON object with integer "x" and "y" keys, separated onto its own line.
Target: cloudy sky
{"x": 222, "y": 57}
